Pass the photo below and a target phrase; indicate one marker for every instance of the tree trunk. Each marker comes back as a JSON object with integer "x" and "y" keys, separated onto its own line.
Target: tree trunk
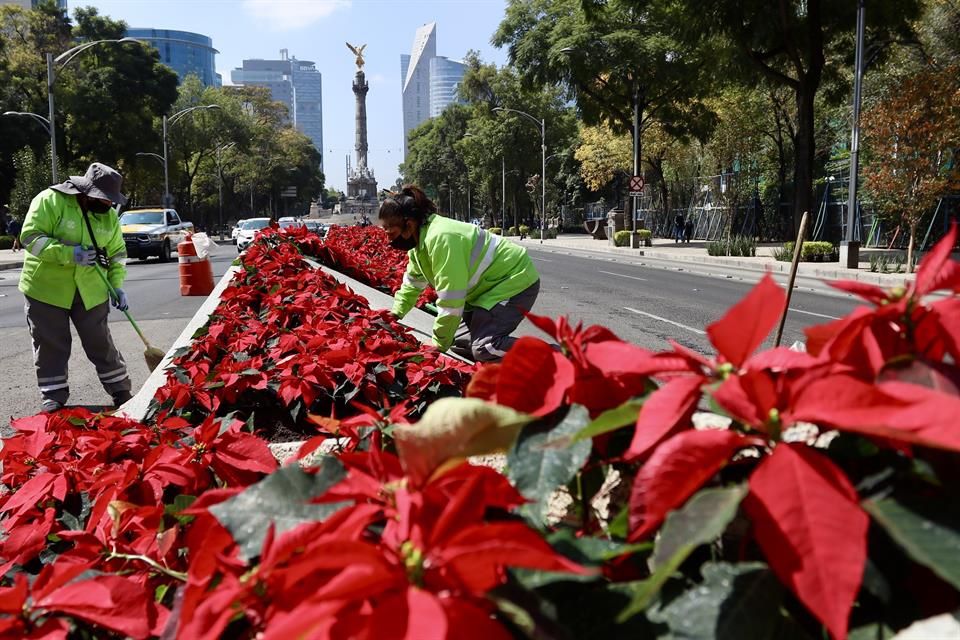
{"x": 804, "y": 153}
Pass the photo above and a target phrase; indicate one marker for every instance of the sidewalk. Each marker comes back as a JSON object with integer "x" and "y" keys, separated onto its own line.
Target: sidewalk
{"x": 10, "y": 260}
{"x": 696, "y": 252}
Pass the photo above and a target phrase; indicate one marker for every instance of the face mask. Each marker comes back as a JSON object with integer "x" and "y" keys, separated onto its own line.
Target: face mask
{"x": 403, "y": 244}
{"x": 95, "y": 206}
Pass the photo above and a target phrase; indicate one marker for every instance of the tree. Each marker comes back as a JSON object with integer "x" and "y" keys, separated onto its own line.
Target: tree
{"x": 611, "y": 56}
{"x": 789, "y": 42}
{"x": 33, "y": 176}
{"x": 911, "y": 139}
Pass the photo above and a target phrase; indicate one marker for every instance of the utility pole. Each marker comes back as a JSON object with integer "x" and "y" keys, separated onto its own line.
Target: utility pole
{"x": 850, "y": 247}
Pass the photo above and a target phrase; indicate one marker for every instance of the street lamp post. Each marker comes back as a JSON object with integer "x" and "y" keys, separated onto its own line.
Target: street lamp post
{"x": 170, "y": 122}
{"x": 63, "y": 59}
{"x": 543, "y": 172}
{"x": 850, "y": 247}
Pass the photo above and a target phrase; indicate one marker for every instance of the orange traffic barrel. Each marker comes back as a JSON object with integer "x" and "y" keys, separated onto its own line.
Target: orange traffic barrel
{"x": 196, "y": 275}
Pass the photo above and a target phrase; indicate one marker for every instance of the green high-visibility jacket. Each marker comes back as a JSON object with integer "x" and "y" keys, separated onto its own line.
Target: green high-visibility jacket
{"x": 468, "y": 267}
{"x": 53, "y": 227}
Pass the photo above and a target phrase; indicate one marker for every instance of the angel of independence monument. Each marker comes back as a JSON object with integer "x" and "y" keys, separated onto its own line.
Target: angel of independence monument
{"x": 361, "y": 183}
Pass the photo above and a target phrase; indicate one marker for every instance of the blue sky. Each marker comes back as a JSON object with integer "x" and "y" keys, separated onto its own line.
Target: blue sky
{"x": 316, "y": 30}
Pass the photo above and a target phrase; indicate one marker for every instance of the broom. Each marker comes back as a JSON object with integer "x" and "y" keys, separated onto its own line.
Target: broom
{"x": 151, "y": 354}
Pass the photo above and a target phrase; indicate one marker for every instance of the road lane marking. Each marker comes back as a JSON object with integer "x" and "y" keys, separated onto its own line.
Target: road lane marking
{"x": 668, "y": 321}
{"x": 819, "y": 315}
{"x": 622, "y": 275}
{"x": 540, "y": 259}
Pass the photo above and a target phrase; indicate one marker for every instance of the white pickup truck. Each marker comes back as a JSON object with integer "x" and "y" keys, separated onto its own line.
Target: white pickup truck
{"x": 153, "y": 232}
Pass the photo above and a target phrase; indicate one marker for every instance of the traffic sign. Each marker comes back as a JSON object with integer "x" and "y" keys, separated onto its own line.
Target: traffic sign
{"x": 636, "y": 183}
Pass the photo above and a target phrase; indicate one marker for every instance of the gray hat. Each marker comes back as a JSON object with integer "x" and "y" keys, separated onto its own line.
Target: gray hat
{"x": 100, "y": 182}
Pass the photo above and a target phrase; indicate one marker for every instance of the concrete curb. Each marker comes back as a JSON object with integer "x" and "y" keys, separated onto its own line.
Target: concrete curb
{"x": 10, "y": 266}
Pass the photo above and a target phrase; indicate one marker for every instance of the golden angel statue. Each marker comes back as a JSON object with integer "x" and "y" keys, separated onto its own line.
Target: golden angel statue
{"x": 358, "y": 51}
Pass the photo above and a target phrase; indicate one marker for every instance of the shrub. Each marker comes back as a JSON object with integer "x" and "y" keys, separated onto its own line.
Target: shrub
{"x": 6, "y": 242}
{"x": 550, "y": 233}
{"x": 524, "y": 230}
{"x": 747, "y": 246}
{"x": 717, "y": 248}
{"x": 782, "y": 254}
{"x": 512, "y": 231}
{"x": 622, "y": 238}
{"x": 815, "y": 248}
{"x": 496, "y": 230}
{"x": 645, "y": 234}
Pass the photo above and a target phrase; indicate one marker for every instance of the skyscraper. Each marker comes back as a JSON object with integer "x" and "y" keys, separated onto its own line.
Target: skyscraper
{"x": 429, "y": 81}
{"x": 296, "y": 83}
{"x": 183, "y": 51}
{"x": 415, "y": 72}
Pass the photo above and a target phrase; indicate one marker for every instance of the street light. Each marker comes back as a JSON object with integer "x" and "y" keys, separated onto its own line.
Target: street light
{"x": 63, "y": 60}
{"x": 850, "y": 247}
{"x": 170, "y": 122}
{"x": 543, "y": 173}
{"x": 43, "y": 121}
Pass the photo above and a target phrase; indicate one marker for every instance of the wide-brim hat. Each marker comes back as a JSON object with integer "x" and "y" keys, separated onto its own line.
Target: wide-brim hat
{"x": 100, "y": 182}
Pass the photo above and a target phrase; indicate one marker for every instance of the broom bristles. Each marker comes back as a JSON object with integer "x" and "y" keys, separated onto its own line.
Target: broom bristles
{"x": 154, "y": 357}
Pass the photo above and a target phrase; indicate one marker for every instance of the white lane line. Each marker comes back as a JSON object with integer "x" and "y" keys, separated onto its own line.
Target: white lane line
{"x": 540, "y": 259}
{"x": 622, "y": 275}
{"x": 676, "y": 324}
{"x": 819, "y": 315}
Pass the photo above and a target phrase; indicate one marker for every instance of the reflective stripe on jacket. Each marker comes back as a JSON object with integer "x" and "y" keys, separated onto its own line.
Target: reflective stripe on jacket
{"x": 54, "y": 225}
{"x": 468, "y": 266}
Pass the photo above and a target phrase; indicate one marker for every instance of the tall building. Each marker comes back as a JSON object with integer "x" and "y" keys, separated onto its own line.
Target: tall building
{"x": 445, "y": 77}
{"x": 184, "y": 52}
{"x": 429, "y": 81}
{"x": 29, "y": 4}
{"x": 296, "y": 83}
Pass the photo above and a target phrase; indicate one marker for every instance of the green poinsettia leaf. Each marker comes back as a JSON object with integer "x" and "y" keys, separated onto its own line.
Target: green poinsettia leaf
{"x": 734, "y": 602}
{"x": 929, "y": 534}
{"x": 611, "y": 420}
{"x": 282, "y": 499}
{"x": 544, "y": 459}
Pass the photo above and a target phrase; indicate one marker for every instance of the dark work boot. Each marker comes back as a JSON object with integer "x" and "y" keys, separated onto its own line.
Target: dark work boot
{"x": 121, "y": 397}
{"x": 49, "y": 405}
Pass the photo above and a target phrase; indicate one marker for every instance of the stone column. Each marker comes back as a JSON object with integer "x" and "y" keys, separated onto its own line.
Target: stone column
{"x": 360, "y": 88}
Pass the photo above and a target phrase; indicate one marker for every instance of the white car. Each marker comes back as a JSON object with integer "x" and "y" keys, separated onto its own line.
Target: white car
{"x": 247, "y": 229}
{"x": 288, "y": 222}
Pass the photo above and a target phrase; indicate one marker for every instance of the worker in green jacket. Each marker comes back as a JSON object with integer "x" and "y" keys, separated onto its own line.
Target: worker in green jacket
{"x": 70, "y": 230}
{"x": 481, "y": 278}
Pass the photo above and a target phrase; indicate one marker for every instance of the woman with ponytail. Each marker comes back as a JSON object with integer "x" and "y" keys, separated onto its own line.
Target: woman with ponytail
{"x": 482, "y": 279}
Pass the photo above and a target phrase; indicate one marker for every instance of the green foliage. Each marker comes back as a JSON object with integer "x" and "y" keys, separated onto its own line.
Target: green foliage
{"x": 878, "y": 263}
{"x": 6, "y": 242}
{"x": 717, "y": 248}
{"x": 512, "y": 231}
{"x": 645, "y": 234}
{"x": 33, "y": 176}
{"x": 524, "y": 230}
{"x": 496, "y": 230}
{"x": 782, "y": 254}
{"x": 815, "y": 250}
{"x": 622, "y": 238}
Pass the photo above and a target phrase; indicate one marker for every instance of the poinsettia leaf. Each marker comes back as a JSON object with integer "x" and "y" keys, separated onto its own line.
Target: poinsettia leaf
{"x": 665, "y": 411}
{"x": 869, "y": 292}
{"x": 701, "y": 520}
{"x": 747, "y": 324}
{"x": 534, "y": 377}
{"x": 675, "y": 471}
{"x": 929, "y": 533}
{"x": 452, "y": 429}
{"x": 734, "y": 602}
{"x": 415, "y": 614}
{"x": 281, "y": 500}
{"x": 584, "y": 550}
{"x": 543, "y": 458}
{"x": 929, "y": 271}
{"x": 611, "y": 420}
{"x": 809, "y": 524}
{"x": 112, "y": 602}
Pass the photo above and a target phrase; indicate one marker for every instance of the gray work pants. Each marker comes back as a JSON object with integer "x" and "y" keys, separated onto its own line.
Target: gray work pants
{"x": 50, "y": 331}
{"x": 490, "y": 331}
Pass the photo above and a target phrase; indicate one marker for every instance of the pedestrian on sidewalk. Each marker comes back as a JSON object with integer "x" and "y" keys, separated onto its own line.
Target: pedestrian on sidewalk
{"x": 678, "y": 228}
{"x": 481, "y": 278}
{"x": 70, "y": 230}
{"x": 688, "y": 231}
{"x": 13, "y": 228}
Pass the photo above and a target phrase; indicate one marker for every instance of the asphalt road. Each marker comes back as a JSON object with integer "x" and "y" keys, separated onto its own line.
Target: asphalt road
{"x": 155, "y": 303}
{"x": 645, "y": 301}
{"x": 648, "y": 301}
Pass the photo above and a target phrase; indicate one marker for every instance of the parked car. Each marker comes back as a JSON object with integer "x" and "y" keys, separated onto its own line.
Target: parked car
{"x": 153, "y": 232}
{"x": 287, "y": 222}
{"x": 316, "y": 226}
{"x": 248, "y": 229}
